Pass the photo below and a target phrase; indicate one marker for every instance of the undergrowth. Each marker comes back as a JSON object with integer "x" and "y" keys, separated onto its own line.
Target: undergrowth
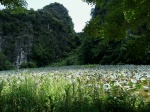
{"x": 29, "y": 92}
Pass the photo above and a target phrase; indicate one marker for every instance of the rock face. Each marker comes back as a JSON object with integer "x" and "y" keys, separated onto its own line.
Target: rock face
{"x": 36, "y": 35}
{"x": 15, "y": 45}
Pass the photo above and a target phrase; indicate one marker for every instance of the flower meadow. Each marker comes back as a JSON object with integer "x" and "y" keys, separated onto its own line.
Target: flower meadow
{"x": 87, "y": 88}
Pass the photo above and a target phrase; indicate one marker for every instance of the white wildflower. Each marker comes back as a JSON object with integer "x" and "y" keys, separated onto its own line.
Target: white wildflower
{"x": 134, "y": 81}
{"x": 146, "y": 88}
{"x": 107, "y": 86}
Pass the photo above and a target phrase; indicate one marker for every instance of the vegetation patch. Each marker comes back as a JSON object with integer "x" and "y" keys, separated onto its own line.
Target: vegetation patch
{"x": 75, "y": 89}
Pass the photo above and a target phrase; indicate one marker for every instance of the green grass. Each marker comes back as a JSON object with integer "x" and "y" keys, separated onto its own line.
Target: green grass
{"x": 58, "y": 91}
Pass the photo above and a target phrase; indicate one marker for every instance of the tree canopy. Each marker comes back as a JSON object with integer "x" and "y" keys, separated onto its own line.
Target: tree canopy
{"x": 118, "y": 19}
{"x": 123, "y": 15}
{"x": 13, "y": 3}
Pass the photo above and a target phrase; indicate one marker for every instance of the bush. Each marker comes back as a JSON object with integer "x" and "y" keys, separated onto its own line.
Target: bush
{"x": 72, "y": 59}
{"x": 5, "y": 64}
{"x": 28, "y": 65}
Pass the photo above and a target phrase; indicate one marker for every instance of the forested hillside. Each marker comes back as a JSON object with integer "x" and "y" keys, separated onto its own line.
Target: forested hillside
{"x": 35, "y": 38}
{"x": 116, "y": 34}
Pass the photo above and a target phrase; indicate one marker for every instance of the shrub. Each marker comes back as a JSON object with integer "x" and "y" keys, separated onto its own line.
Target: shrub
{"x": 28, "y": 65}
{"x": 5, "y": 64}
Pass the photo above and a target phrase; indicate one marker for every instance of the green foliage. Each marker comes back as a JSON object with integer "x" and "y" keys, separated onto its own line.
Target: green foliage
{"x": 28, "y": 65}
{"x": 5, "y": 64}
{"x": 16, "y": 6}
{"x": 121, "y": 30}
{"x": 118, "y": 19}
{"x": 71, "y": 59}
{"x": 55, "y": 93}
{"x": 13, "y": 3}
{"x": 100, "y": 51}
{"x": 56, "y": 38}
{"x": 45, "y": 35}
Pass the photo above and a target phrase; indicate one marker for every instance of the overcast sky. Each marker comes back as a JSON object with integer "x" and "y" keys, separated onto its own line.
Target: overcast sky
{"x": 78, "y": 10}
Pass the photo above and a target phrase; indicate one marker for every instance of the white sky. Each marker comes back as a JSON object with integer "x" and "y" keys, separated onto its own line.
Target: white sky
{"x": 79, "y": 11}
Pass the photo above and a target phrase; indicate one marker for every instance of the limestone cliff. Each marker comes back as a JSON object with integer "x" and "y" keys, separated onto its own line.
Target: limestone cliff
{"x": 40, "y": 36}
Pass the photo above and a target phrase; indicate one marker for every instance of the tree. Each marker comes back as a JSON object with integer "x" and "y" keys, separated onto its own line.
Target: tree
{"x": 5, "y": 64}
{"x": 127, "y": 14}
{"x": 123, "y": 19}
{"x": 16, "y": 6}
{"x": 13, "y": 3}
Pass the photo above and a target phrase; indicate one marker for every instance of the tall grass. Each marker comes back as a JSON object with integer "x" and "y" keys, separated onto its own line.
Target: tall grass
{"x": 28, "y": 92}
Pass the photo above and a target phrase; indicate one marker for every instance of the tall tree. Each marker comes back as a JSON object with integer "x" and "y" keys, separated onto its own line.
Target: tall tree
{"x": 13, "y": 3}
{"x": 127, "y": 14}
{"x": 123, "y": 19}
{"x": 17, "y": 6}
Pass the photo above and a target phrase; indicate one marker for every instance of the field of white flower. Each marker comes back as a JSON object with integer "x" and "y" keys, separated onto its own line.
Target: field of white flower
{"x": 77, "y": 82}
{"x": 127, "y": 77}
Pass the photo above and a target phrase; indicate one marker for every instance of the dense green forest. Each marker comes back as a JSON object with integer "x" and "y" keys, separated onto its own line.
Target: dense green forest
{"x": 35, "y": 38}
{"x": 119, "y": 32}
{"x": 46, "y": 37}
